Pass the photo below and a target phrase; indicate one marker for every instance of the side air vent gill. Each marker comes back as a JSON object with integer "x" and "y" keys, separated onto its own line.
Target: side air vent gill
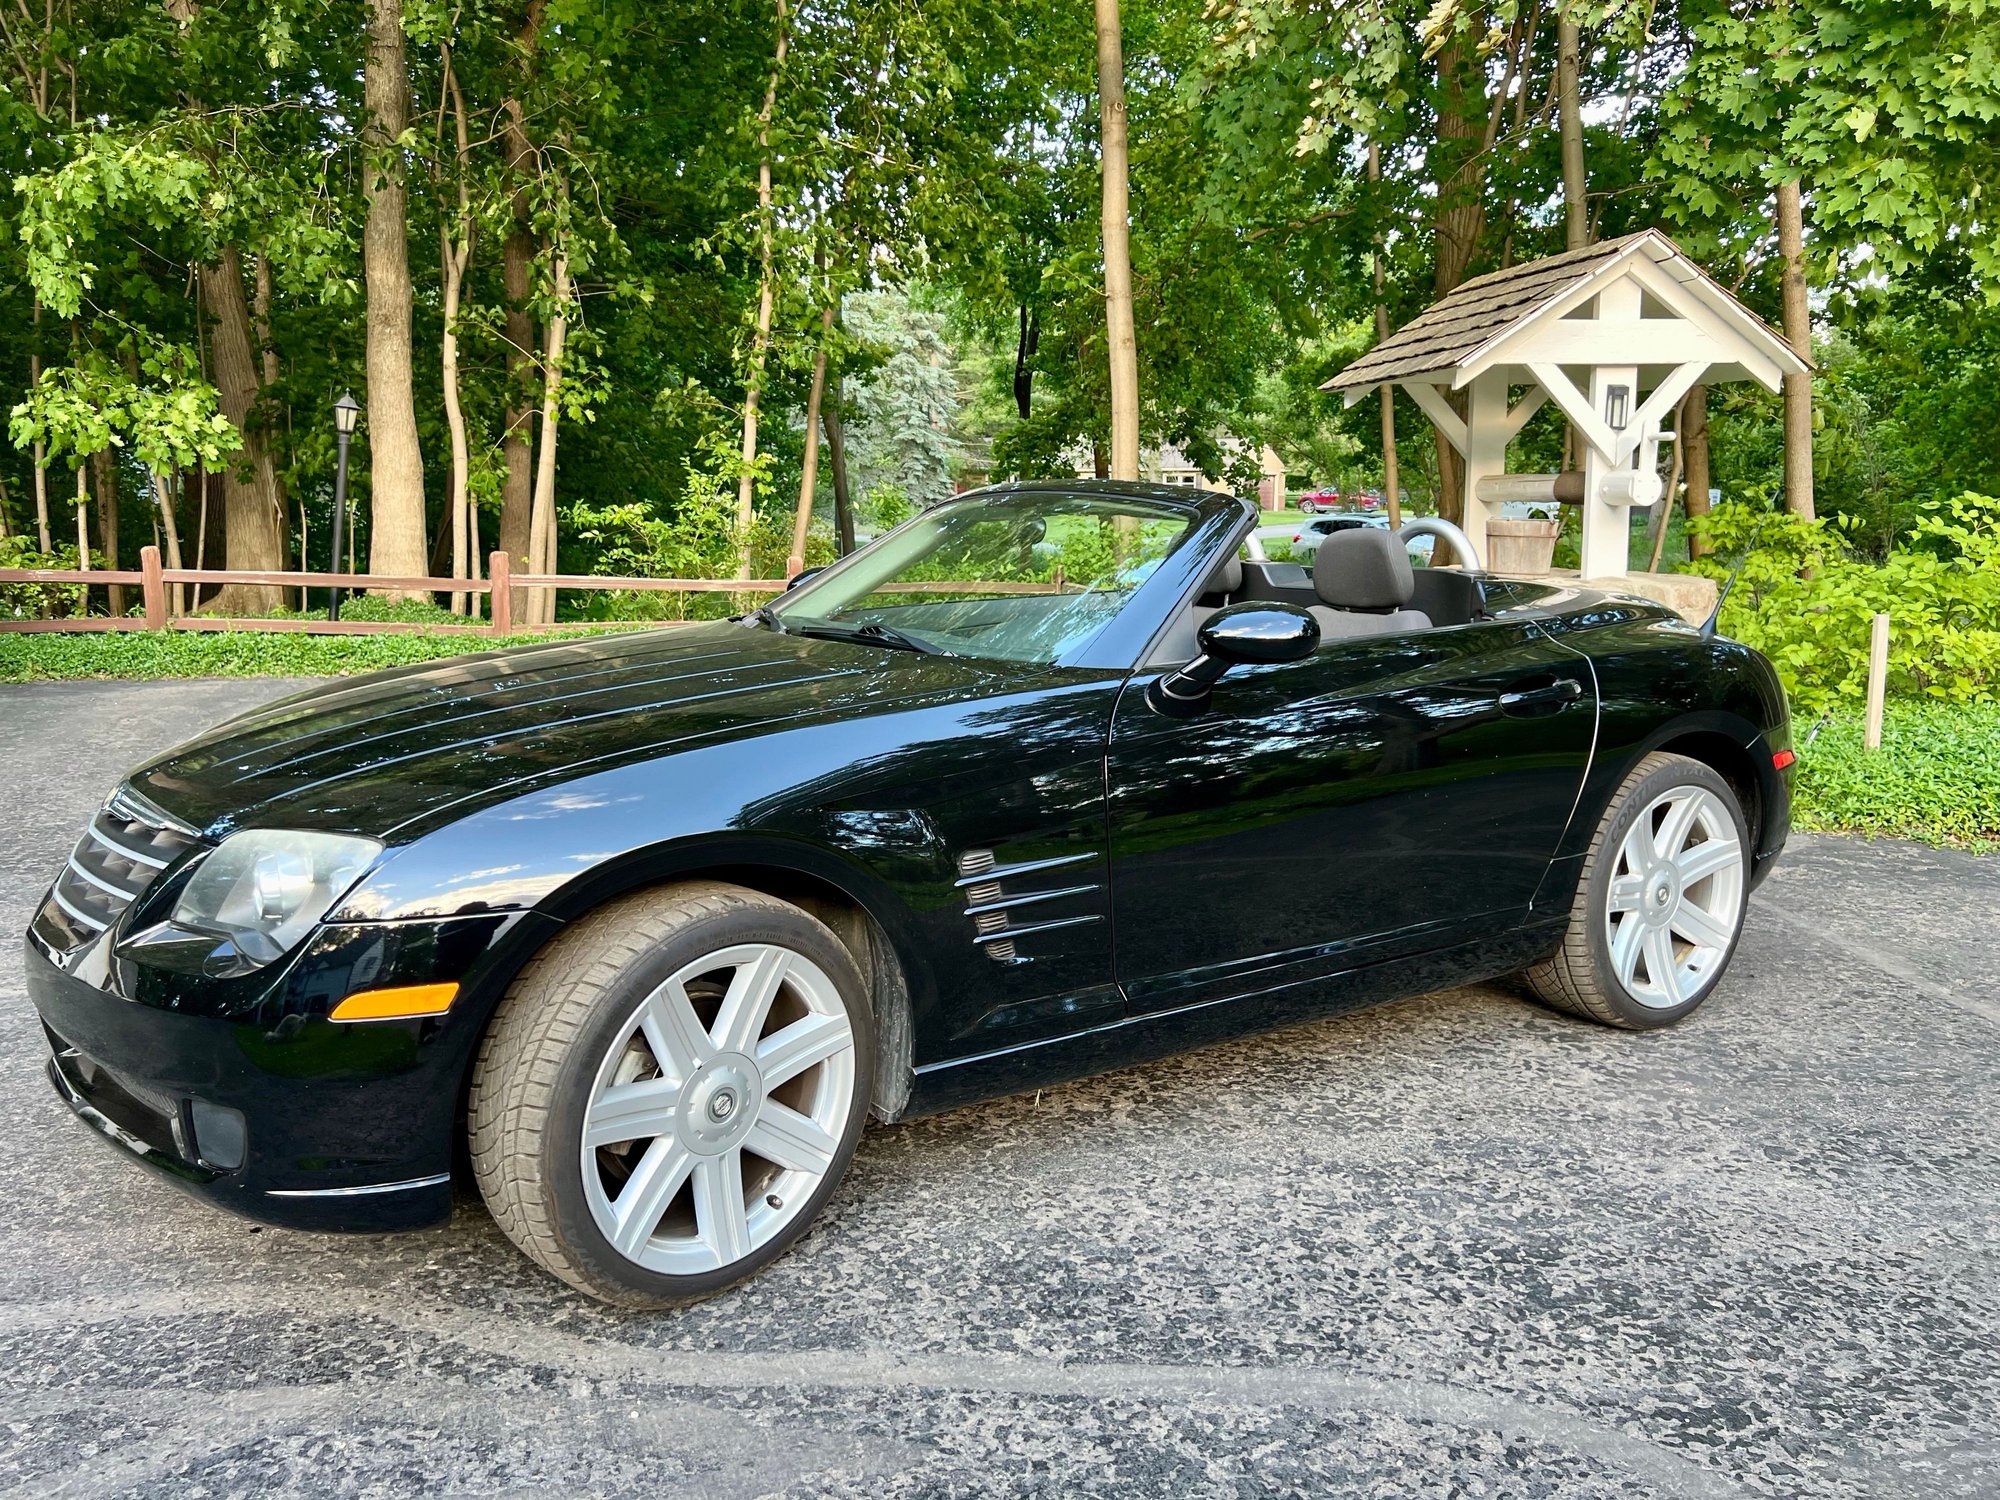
{"x": 996, "y": 923}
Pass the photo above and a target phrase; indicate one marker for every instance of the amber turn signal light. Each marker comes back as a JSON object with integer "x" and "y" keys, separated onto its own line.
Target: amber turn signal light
{"x": 403, "y": 1003}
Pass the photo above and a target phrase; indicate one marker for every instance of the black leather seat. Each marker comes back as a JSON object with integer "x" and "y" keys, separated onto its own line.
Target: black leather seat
{"x": 1364, "y": 582}
{"x": 1365, "y": 590}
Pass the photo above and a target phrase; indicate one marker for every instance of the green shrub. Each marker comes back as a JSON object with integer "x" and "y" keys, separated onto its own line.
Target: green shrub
{"x": 699, "y": 541}
{"x": 1807, "y": 603}
{"x": 1936, "y": 777}
{"x": 405, "y": 611}
{"x": 34, "y": 601}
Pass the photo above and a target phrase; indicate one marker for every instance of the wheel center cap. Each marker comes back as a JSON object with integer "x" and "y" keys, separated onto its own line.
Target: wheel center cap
{"x": 1663, "y": 895}
{"x": 719, "y": 1104}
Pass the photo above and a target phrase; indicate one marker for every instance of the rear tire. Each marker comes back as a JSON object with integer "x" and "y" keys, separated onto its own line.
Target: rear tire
{"x": 671, "y": 1091}
{"x": 1659, "y": 908}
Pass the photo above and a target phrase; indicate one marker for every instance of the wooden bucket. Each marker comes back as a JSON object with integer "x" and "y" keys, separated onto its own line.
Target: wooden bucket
{"x": 1521, "y": 546}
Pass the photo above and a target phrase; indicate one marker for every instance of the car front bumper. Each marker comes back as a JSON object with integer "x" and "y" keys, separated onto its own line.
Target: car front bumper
{"x": 267, "y": 1108}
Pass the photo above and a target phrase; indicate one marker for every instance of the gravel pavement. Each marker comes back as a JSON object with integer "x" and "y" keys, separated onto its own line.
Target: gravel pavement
{"x": 1454, "y": 1246}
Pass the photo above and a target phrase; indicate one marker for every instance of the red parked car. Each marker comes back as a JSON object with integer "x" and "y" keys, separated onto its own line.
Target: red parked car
{"x": 1312, "y": 502}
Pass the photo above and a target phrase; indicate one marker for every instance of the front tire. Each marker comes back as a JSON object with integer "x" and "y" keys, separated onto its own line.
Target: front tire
{"x": 1659, "y": 909}
{"x": 672, "y": 1091}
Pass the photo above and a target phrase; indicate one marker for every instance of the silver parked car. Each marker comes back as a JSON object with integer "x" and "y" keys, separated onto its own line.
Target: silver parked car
{"x": 1306, "y": 539}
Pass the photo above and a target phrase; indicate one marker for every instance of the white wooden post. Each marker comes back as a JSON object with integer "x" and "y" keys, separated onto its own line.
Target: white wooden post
{"x": 1607, "y": 528}
{"x": 1878, "y": 681}
{"x": 1485, "y": 451}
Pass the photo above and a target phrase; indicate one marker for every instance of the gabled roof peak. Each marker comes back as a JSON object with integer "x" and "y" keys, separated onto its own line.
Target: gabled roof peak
{"x": 1463, "y": 324}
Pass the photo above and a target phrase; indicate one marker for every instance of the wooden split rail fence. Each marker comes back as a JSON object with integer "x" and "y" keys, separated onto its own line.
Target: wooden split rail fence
{"x": 159, "y": 587}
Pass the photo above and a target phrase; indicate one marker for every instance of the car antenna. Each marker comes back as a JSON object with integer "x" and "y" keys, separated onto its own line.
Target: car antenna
{"x": 1715, "y": 615}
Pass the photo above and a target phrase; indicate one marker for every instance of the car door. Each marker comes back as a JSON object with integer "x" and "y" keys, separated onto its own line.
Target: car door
{"x": 1383, "y": 796}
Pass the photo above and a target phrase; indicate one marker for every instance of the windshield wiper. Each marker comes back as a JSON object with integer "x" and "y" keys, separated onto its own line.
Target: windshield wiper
{"x": 765, "y": 616}
{"x": 875, "y": 634}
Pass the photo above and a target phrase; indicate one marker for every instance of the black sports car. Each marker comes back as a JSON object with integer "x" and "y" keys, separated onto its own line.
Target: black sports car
{"x": 1044, "y": 781}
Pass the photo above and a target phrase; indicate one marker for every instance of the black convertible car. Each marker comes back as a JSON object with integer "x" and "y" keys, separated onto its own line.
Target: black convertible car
{"x": 1046, "y": 780}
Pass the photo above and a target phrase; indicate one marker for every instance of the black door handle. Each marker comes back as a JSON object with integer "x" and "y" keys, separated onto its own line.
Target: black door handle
{"x": 1562, "y": 690}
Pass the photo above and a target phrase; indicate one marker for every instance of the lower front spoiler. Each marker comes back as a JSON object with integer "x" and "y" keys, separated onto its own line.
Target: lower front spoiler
{"x": 371, "y": 1208}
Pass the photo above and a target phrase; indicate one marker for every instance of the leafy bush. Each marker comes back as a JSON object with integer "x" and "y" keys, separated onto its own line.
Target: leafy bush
{"x": 883, "y": 507}
{"x": 699, "y": 541}
{"x": 1806, "y": 602}
{"x": 1936, "y": 777}
{"x": 34, "y": 601}
{"x": 404, "y": 611}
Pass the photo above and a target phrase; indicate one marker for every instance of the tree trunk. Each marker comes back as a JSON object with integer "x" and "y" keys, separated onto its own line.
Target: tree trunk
{"x": 41, "y": 460}
{"x": 1694, "y": 440}
{"x": 809, "y": 470}
{"x": 395, "y": 461}
{"x": 1459, "y": 217}
{"x": 542, "y": 520}
{"x": 1674, "y": 471}
{"x": 163, "y": 498}
{"x": 760, "y": 344}
{"x": 1025, "y": 345}
{"x": 518, "y": 446}
{"x": 253, "y": 526}
{"x": 517, "y": 259}
{"x": 1569, "y": 113}
{"x": 41, "y": 455}
{"x": 205, "y": 508}
{"x": 836, "y": 457}
{"x": 454, "y": 415}
{"x": 83, "y": 528}
{"x": 1798, "y": 333}
{"x": 1392, "y": 480}
{"x": 1576, "y": 187}
{"x": 1121, "y": 340}
{"x": 260, "y": 307}
{"x": 455, "y": 254}
{"x": 104, "y": 476}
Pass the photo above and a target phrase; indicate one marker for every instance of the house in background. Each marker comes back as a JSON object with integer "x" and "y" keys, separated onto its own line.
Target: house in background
{"x": 1168, "y": 465}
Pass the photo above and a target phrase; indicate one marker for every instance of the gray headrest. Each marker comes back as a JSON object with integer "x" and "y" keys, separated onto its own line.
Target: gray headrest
{"x": 1226, "y": 579}
{"x": 1363, "y": 569}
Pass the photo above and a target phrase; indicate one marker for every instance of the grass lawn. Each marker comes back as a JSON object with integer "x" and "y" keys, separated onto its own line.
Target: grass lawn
{"x": 1936, "y": 777}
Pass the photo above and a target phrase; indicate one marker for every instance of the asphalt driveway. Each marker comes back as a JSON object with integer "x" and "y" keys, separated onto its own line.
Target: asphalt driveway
{"x": 1453, "y": 1246}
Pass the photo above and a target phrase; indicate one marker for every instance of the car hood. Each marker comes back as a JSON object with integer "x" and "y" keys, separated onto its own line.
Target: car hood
{"x": 380, "y": 754}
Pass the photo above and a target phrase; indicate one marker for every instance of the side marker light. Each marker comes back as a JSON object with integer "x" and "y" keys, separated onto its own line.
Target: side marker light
{"x": 1781, "y": 759}
{"x": 400, "y": 1004}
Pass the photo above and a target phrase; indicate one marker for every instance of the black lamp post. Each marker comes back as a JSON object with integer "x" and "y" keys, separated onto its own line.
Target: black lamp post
{"x": 346, "y": 417}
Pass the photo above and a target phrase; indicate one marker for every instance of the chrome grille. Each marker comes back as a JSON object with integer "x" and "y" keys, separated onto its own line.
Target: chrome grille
{"x": 123, "y": 851}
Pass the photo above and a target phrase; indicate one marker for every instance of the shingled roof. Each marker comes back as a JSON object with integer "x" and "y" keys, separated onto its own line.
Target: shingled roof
{"x": 1455, "y": 328}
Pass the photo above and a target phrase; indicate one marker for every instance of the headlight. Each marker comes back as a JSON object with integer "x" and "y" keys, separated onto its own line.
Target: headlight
{"x": 255, "y": 898}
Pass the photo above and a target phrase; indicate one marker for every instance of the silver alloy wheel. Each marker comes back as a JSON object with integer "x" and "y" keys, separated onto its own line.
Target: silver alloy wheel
{"x": 718, "y": 1110}
{"x": 1676, "y": 897}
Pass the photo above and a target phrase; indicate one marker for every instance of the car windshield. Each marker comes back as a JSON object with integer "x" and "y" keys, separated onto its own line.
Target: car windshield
{"x": 1023, "y": 578}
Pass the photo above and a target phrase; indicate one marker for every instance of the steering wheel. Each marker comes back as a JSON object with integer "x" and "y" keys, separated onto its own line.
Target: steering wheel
{"x": 1461, "y": 544}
